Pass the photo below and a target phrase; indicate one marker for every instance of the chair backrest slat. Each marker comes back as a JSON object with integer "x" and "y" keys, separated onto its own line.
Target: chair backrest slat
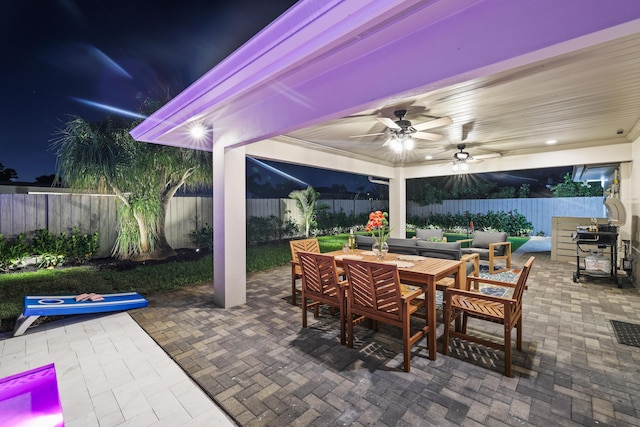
{"x": 304, "y": 245}
{"x": 319, "y": 274}
{"x": 374, "y": 288}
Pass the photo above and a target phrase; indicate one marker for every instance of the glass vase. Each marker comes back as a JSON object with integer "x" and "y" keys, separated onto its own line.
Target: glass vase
{"x": 380, "y": 249}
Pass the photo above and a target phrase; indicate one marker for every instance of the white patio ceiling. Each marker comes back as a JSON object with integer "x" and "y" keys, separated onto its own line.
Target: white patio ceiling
{"x": 510, "y": 75}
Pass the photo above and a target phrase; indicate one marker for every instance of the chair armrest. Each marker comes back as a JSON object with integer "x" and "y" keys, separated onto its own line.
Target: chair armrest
{"x": 469, "y": 257}
{"x": 410, "y": 292}
{"x": 476, "y": 262}
{"x": 464, "y": 241}
{"x": 491, "y": 282}
{"x": 476, "y": 295}
{"x": 475, "y": 257}
{"x": 492, "y": 246}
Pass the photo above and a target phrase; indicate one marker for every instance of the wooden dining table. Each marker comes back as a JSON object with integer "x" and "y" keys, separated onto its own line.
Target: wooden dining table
{"x": 416, "y": 271}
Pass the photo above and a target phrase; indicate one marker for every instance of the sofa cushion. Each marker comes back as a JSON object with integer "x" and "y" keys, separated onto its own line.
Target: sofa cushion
{"x": 429, "y": 233}
{"x": 483, "y": 239}
{"x": 439, "y": 250}
{"x": 364, "y": 242}
{"x": 483, "y": 253}
{"x": 402, "y": 246}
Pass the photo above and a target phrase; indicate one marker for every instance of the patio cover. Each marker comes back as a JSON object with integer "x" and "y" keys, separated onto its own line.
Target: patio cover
{"x": 310, "y": 64}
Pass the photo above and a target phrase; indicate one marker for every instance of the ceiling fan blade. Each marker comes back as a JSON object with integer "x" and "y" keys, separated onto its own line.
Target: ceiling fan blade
{"x": 467, "y": 128}
{"x": 428, "y": 136}
{"x": 388, "y": 123}
{"x": 367, "y": 134}
{"x": 443, "y": 121}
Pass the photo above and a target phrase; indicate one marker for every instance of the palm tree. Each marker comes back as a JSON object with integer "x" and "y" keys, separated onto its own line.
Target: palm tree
{"x": 144, "y": 177}
{"x": 306, "y": 201}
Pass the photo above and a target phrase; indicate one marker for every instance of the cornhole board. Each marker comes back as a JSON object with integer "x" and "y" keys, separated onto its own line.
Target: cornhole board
{"x": 36, "y": 306}
{"x": 31, "y": 398}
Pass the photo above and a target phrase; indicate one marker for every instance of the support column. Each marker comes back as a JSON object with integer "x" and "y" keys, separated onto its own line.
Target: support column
{"x": 229, "y": 227}
{"x": 626, "y": 197}
{"x": 398, "y": 204}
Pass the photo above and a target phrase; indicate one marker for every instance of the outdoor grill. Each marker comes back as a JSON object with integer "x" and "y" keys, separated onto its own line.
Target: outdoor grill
{"x": 602, "y": 236}
{"x": 605, "y": 235}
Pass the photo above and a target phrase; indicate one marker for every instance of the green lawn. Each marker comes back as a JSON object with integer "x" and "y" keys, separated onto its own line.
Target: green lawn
{"x": 144, "y": 279}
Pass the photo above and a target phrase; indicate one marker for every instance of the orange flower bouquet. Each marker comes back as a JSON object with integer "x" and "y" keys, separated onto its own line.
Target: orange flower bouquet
{"x": 378, "y": 225}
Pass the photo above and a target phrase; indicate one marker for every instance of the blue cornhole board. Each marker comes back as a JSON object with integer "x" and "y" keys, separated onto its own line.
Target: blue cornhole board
{"x": 36, "y": 306}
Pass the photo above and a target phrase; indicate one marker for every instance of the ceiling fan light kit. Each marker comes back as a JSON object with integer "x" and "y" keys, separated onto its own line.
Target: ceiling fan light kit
{"x": 460, "y": 158}
{"x": 402, "y": 132}
{"x": 460, "y": 166}
{"x": 401, "y": 142}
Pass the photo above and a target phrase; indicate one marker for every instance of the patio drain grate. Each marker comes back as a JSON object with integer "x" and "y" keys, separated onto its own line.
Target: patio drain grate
{"x": 627, "y": 333}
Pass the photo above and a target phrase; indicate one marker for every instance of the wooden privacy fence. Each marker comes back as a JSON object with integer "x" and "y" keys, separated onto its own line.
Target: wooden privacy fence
{"x": 59, "y": 213}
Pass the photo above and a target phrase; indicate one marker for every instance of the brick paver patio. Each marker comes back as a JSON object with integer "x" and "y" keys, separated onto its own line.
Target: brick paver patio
{"x": 263, "y": 368}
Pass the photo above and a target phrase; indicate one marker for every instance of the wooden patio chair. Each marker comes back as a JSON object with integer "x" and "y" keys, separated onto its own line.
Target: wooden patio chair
{"x": 304, "y": 245}
{"x": 506, "y": 311}
{"x": 491, "y": 246}
{"x": 375, "y": 292}
{"x": 321, "y": 285}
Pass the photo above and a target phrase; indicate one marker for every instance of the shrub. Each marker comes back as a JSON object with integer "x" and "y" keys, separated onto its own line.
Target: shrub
{"x": 77, "y": 247}
{"x": 514, "y": 223}
{"x": 80, "y": 247}
{"x": 50, "y": 260}
{"x": 51, "y": 250}
{"x": 269, "y": 229}
{"x": 329, "y": 223}
{"x": 13, "y": 251}
{"x": 203, "y": 238}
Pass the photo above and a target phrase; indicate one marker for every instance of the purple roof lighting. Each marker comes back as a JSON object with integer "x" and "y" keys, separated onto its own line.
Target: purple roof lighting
{"x": 31, "y": 398}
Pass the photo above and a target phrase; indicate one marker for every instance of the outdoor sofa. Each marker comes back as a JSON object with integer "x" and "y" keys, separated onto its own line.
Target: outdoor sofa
{"x": 426, "y": 248}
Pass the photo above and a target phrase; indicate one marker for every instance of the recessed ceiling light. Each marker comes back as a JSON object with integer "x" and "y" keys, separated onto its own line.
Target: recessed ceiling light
{"x": 550, "y": 141}
{"x": 198, "y": 131}
{"x": 428, "y": 157}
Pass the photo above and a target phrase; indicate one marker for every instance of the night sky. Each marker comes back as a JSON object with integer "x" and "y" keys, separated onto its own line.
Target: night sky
{"x": 74, "y": 57}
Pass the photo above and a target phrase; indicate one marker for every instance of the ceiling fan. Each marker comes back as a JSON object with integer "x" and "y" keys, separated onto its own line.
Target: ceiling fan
{"x": 401, "y": 131}
{"x": 461, "y": 158}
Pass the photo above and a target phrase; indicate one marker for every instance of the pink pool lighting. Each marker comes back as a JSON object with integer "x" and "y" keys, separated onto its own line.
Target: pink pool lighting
{"x": 31, "y": 399}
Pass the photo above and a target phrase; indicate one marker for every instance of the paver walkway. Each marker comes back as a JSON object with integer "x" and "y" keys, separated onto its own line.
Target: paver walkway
{"x": 110, "y": 373}
{"x": 263, "y": 368}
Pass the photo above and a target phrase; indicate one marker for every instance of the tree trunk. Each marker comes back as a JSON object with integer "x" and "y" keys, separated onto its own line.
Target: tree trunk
{"x": 144, "y": 236}
{"x": 163, "y": 248}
